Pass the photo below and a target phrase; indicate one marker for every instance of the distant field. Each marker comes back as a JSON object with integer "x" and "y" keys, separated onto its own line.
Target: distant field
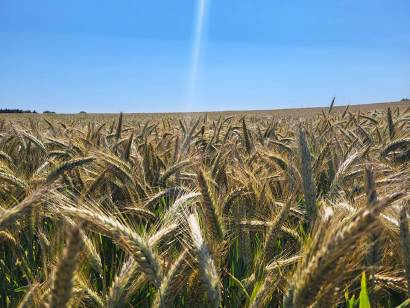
{"x": 278, "y": 208}
{"x": 291, "y": 112}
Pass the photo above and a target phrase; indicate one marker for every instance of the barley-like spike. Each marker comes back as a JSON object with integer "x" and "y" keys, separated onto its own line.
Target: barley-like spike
{"x": 66, "y": 166}
{"x": 9, "y": 216}
{"x": 367, "y": 139}
{"x": 319, "y": 269}
{"x": 370, "y": 119}
{"x": 6, "y": 236}
{"x": 117, "y": 294}
{"x": 246, "y": 137}
{"x": 208, "y": 274}
{"x": 94, "y": 256}
{"x": 116, "y": 163}
{"x": 62, "y": 286}
{"x": 56, "y": 143}
{"x": 332, "y": 104}
{"x": 173, "y": 281}
{"x": 35, "y": 141}
{"x": 176, "y": 149}
{"x": 171, "y": 192}
{"x": 173, "y": 169}
{"x": 345, "y": 111}
{"x": 273, "y": 232}
{"x": 111, "y": 130}
{"x": 341, "y": 172}
{"x": 374, "y": 253}
{"x": 97, "y": 182}
{"x": 230, "y": 200}
{"x": 405, "y": 243}
{"x": 89, "y": 247}
{"x": 119, "y": 128}
{"x": 127, "y": 151}
{"x": 282, "y": 147}
{"x": 51, "y": 126}
{"x": 208, "y": 207}
{"x": 309, "y": 189}
{"x": 6, "y": 157}
{"x": 280, "y": 161}
{"x": 401, "y": 143}
{"x": 14, "y": 180}
{"x": 143, "y": 213}
{"x": 370, "y": 186}
{"x": 264, "y": 226}
{"x": 125, "y": 237}
{"x": 395, "y": 283}
{"x": 390, "y": 123}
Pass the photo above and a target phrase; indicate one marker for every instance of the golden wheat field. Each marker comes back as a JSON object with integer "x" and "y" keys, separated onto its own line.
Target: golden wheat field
{"x": 289, "y": 208}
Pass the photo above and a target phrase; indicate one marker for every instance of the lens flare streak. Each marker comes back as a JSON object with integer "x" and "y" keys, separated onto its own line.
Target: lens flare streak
{"x": 197, "y": 45}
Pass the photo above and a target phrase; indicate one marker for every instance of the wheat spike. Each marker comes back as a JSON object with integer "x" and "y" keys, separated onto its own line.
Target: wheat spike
{"x": 209, "y": 277}
{"x": 127, "y": 150}
{"x": 309, "y": 189}
{"x": 390, "y": 124}
{"x": 405, "y": 244}
{"x": 173, "y": 169}
{"x": 374, "y": 253}
{"x": 273, "y": 232}
{"x": 319, "y": 269}
{"x": 208, "y": 206}
{"x": 62, "y": 286}
{"x": 332, "y": 104}
{"x": 10, "y": 178}
{"x": 117, "y": 296}
{"x": 172, "y": 281}
{"x": 246, "y": 137}
{"x": 119, "y": 128}
{"x": 126, "y": 237}
{"x": 9, "y": 216}
{"x": 66, "y": 166}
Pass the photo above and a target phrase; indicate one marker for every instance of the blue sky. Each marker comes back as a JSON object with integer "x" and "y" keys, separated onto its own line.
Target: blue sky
{"x": 136, "y": 56}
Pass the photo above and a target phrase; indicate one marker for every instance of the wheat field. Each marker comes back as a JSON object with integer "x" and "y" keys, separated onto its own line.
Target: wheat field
{"x": 258, "y": 209}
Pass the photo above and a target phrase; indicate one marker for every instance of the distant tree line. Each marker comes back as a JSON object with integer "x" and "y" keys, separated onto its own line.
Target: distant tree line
{"x": 7, "y": 110}
{"x": 16, "y": 111}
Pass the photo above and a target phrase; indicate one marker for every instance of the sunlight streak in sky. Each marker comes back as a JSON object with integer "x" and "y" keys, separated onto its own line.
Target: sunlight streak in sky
{"x": 197, "y": 46}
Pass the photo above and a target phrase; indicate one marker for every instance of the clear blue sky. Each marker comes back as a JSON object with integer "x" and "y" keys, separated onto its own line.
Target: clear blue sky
{"x": 135, "y": 56}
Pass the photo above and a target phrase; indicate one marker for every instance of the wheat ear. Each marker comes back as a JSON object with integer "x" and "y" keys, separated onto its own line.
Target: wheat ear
{"x": 319, "y": 269}
{"x": 208, "y": 274}
{"x": 390, "y": 123}
{"x": 9, "y": 216}
{"x": 126, "y": 237}
{"x": 405, "y": 244}
{"x": 309, "y": 189}
{"x": 208, "y": 206}
{"x": 172, "y": 281}
{"x": 62, "y": 286}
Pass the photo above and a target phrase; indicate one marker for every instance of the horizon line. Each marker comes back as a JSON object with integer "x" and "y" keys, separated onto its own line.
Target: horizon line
{"x": 50, "y": 112}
